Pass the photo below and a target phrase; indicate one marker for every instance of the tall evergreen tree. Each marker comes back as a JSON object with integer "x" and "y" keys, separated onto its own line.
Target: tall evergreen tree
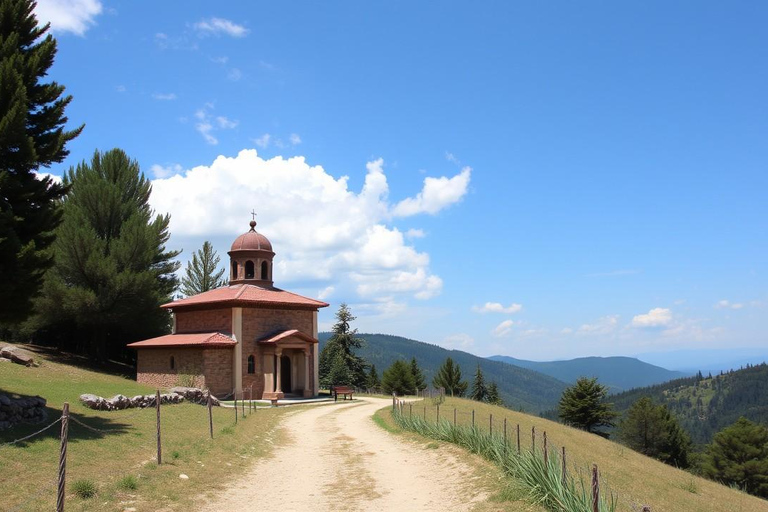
{"x": 112, "y": 269}
{"x": 492, "y": 397}
{"x": 448, "y": 376}
{"x": 345, "y": 340}
{"x": 583, "y": 406}
{"x": 419, "y": 381}
{"x": 738, "y": 455}
{"x": 374, "y": 382}
{"x": 398, "y": 379}
{"x": 479, "y": 391}
{"x": 202, "y": 272}
{"x": 652, "y": 430}
{"x": 32, "y": 136}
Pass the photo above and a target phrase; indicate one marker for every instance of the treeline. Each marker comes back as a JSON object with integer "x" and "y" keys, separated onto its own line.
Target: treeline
{"x": 83, "y": 263}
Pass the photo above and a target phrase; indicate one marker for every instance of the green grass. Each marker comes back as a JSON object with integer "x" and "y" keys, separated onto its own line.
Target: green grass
{"x": 633, "y": 478}
{"x": 84, "y": 489}
{"x": 127, "y": 446}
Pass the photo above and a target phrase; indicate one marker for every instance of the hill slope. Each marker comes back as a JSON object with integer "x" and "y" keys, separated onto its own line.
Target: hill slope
{"x": 519, "y": 387}
{"x": 618, "y": 373}
{"x": 708, "y": 404}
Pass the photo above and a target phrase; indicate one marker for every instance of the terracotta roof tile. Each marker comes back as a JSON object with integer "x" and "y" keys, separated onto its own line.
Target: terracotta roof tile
{"x": 247, "y": 293}
{"x": 202, "y": 339}
{"x": 288, "y": 334}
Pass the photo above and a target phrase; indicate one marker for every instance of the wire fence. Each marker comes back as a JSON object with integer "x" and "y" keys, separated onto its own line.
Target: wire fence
{"x": 69, "y": 421}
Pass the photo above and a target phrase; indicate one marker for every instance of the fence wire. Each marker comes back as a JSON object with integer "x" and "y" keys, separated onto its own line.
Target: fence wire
{"x": 31, "y": 435}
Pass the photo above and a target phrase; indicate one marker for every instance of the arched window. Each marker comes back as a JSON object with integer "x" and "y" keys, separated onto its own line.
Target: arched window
{"x": 264, "y": 270}
{"x": 173, "y": 363}
{"x": 251, "y": 364}
{"x": 234, "y": 270}
{"x": 249, "y": 269}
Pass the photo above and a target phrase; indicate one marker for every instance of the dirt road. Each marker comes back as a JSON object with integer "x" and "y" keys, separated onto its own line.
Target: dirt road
{"x": 338, "y": 459}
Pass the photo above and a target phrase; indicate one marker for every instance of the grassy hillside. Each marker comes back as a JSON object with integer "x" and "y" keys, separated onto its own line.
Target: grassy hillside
{"x": 618, "y": 373}
{"x": 126, "y": 449}
{"x": 633, "y": 478}
{"x": 519, "y": 388}
{"x": 708, "y": 404}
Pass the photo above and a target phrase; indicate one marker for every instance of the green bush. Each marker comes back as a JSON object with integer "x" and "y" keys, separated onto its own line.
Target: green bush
{"x": 84, "y": 488}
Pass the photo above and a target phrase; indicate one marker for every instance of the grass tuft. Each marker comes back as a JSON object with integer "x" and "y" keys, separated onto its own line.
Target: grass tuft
{"x": 84, "y": 488}
{"x": 128, "y": 483}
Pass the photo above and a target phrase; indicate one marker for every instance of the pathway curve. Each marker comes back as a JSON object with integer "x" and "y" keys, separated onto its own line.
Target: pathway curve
{"x": 338, "y": 459}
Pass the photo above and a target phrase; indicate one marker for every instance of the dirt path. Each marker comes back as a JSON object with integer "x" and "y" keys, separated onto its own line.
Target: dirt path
{"x": 339, "y": 459}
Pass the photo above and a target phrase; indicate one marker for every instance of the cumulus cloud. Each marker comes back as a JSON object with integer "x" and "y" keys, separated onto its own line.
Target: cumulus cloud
{"x": 159, "y": 171}
{"x": 604, "y": 325}
{"x": 164, "y": 97}
{"x": 323, "y": 232}
{"x": 459, "y": 341}
{"x": 220, "y": 26}
{"x": 725, "y": 304}
{"x": 497, "y": 307}
{"x": 75, "y": 16}
{"x": 657, "y": 317}
{"x": 503, "y": 329}
{"x": 436, "y": 194}
{"x": 415, "y": 233}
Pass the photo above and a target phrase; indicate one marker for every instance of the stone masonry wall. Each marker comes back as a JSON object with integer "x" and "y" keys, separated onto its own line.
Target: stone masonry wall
{"x": 212, "y": 320}
{"x": 218, "y": 370}
{"x": 154, "y": 366}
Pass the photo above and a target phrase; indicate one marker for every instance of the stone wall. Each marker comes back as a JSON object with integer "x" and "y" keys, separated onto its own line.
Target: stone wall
{"x": 153, "y": 366}
{"x": 210, "y": 320}
{"x": 218, "y": 370}
{"x": 15, "y": 410}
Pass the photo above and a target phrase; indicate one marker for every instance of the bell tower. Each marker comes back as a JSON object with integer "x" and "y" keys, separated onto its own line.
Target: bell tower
{"x": 250, "y": 259}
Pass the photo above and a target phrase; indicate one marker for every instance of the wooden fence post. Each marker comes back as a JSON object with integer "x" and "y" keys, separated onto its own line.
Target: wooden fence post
{"x": 159, "y": 449}
{"x": 63, "y": 457}
{"x": 210, "y": 414}
{"x": 394, "y": 400}
{"x": 410, "y": 410}
{"x": 242, "y": 401}
{"x": 425, "y": 413}
{"x": 546, "y": 455}
{"x": 454, "y": 416}
{"x": 438, "y": 414}
{"x": 518, "y": 439}
{"x": 234, "y": 393}
{"x": 564, "y": 474}
{"x": 595, "y": 490}
{"x": 533, "y": 438}
{"x": 473, "y": 418}
{"x": 505, "y": 432}
{"x": 490, "y": 425}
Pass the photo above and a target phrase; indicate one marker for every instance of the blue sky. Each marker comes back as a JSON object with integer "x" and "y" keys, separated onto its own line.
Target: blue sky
{"x": 537, "y": 180}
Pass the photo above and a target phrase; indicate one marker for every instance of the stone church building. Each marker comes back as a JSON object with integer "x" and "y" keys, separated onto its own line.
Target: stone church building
{"x": 248, "y": 336}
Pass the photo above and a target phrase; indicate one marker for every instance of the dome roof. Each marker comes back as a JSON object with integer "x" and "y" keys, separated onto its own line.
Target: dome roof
{"x": 251, "y": 241}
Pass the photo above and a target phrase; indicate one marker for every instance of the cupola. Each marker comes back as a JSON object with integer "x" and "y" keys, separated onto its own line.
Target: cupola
{"x": 251, "y": 259}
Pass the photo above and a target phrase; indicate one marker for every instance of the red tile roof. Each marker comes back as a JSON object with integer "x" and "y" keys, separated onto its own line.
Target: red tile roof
{"x": 247, "y": 294}
{"x": 202, "y": 339}
{"x": 288, "y": 334}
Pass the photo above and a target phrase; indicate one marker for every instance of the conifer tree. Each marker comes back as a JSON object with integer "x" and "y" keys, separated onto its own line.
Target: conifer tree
{"x": 419, "y": 381}
{"x": 448, "y": 376}
{"x": 339, "y": 374}
{"x": 32, "y": 136}
{"x": 583, "y": 406}
{"x": 374, "y": 382}
{"x": 112, "y": 270}
{"x": 738, "y": 455}
{"x": 202, "y": 272}
{"x": 653, "y": 431}
{"x": 345, "y": 340}
{"x": 479, "y": 392}
{"x": 492, "y": 397}
{"x": 398, "y": 379}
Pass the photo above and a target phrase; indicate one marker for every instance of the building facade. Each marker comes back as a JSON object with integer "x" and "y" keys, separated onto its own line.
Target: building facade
{"x": 247, "y": 337}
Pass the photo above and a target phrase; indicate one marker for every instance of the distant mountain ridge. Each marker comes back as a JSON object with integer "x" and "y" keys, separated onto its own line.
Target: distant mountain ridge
{"x": 520, "y": 388}
{"x": 618, "y": 373}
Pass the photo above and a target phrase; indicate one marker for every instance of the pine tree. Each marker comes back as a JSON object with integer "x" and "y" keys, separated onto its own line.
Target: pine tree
{"x": 738, "y": 455}
{"x": 479, "y": 392}
{"x": 492, "y": 397}
{"x": 112, "y": 269}
{"x": 653, "y": 431}
{"x": 419, "y": 381}
{"x": 583, "y": 406}
{"x": 398, "y": 379}
{"x": 448, "y": 376}
{"x": 202, "y": 272}
{"x": 345, "y": 340}
{"x": 339, "y": 374}
{"x": 373, "y": 378}
{"x": 31, "y": 136}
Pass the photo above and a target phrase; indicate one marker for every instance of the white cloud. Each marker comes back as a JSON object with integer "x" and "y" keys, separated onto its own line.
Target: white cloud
{"x": 75, "y": 16}
{"x": 219, "y": 26}
{"x": 725, "y": 304}
{"x": 234, "y": 74}
{"x": 295, "y": 139}
{"x": 205, "y": 123}
{"x": 503, "y": 329}
{"x": 566, "y": 330}
{"x": 657, "y": 317}
{"x": 436, "y": 194}
{"x": 164, "y": 97}
{"x": 604, "y": 325}
{"x": 326, "y": 292}
{"x": 415, "y": 233}
{"x": 263, "y": 141}
{"x": 159, "y": 171}
{"x": 459, "y": 341}
{"x": 324, "y": 233}
{"x": 497, "y": 307}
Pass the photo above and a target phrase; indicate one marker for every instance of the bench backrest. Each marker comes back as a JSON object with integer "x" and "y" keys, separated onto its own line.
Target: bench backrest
{"x": 342, "y": 389}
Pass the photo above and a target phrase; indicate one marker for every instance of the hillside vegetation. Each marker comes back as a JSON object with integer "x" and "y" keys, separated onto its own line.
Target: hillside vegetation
{"x": 634, "y": 479}
{"x": 706, "y": 405}
{"x": 119, "y": 457}
{"x": 617, "y": 373}
{"x": 520, "y": 388}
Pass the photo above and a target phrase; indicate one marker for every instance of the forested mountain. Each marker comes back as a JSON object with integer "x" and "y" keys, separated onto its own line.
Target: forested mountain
{"x": 520, "y": 388}
{"x": 618, "y": 373}
{"x": 707, "y": 404}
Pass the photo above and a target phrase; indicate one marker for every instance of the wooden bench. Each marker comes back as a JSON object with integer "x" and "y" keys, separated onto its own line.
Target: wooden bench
{"x": 342, "y": 390}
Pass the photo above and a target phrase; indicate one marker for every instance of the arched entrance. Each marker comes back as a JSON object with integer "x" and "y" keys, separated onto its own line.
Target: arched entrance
{"x": 285, "y": 374}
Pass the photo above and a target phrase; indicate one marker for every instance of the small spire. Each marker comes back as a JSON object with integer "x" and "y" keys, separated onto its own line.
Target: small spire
{"x": 253, "y": 222}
